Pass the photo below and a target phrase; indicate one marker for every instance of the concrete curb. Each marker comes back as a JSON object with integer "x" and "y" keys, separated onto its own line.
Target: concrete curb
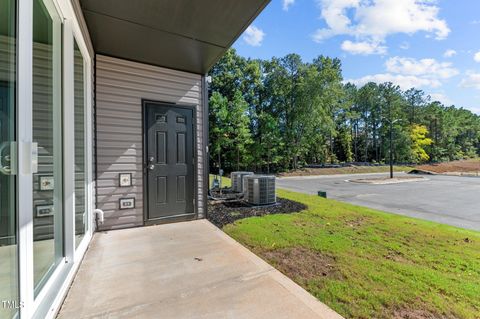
{"x": 388, "y": 181}
{"x": 334, "y": 175}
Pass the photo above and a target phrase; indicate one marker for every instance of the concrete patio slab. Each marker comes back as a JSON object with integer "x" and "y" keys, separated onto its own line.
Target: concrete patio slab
{"x": 182, "y": 270}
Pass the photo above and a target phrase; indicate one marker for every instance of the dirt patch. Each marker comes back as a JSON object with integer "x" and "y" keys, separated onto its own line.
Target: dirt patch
{"x": 418, "y": 314}
{"x": 302, "y": 264}
{"x": 356, "y": 222}
{"x": 464, "y": 166}
{"x": 222, "y": 213}
{"x": 318, "y": 171}
{"x": 395, "y": 256}
{"x": 352, "y": 169}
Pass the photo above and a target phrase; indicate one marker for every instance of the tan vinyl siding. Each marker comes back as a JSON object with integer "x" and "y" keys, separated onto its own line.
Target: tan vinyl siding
{"x": 121, "y": 85}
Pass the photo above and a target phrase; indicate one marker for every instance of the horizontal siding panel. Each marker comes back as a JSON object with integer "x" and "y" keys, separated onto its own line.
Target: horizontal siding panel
{"x": 113, "y": 210}
{"x": 126, "y": 138}
{"x": 109, "y": 115}
{"x": 152, "y": 81}
{"x": 119, "y": 160}
{"x": 113, "y": 176}
{"x": 116, "y": 197}
{"x": 113, "y": 205}
{"x": 140, "y": 84}
{"x": 116, "y": 190}
{"x": 148, "y": 73}
{"x": 130, "y": 87}
{"x": 116, "y": 121}
{"x": 119, "y": 129}
{"x": 119, "y": 145}
{"x": 115, "y": 151}
{"x": 118, "y": 167}
{"x": 128, "y": 99}
{"x": 148, "y": 70}
{"x": 148, "y": 93}
{"x": 121, "y": 87}
{"x": 113, "y": 182}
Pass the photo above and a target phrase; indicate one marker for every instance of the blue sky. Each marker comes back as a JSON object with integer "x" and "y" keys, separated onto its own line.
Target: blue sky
{"x": 433, "y": 45}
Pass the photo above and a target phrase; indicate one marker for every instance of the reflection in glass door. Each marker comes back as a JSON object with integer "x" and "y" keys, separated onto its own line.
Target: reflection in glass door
{"x": 80, "y": 168}
{"x": 8, "y": 229}
{"x": 47, "y": 132}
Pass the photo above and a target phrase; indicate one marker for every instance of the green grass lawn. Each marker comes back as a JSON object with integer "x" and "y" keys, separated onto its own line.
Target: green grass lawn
{"x": 226, "y": 182}
{"x": 365, "y": 263}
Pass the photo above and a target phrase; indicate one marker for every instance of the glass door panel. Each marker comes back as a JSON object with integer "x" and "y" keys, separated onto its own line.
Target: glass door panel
{"x": 81, "y": 223}
{"x": 8, "y": 228}
{"x": 47, "y": 132}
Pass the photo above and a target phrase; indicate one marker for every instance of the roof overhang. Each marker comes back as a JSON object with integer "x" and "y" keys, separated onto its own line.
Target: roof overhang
{"x": 187, "y": 35}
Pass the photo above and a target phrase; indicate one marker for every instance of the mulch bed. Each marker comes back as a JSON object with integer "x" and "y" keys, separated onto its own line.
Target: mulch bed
{"x": 221, "y": 213}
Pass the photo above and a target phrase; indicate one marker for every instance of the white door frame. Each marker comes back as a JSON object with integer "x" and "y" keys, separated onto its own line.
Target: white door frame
{"x": 24, "y": 153}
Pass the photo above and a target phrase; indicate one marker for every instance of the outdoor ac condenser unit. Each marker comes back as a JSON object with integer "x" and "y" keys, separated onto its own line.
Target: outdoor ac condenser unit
{"x": 260, "y": 189}
{"x": 237, "y": 180}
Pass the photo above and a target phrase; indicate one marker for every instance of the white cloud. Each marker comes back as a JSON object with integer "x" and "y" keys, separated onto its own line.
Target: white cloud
{"x": 364, "y": 48}
{"x": 441, "y": 97}
{"x": 404, "y": 81}
{"x": 409, "y": 72}
{"x": 254, "y": 36}
{"x": 287, "y": 4}
{"x": 472, "y": 80}
{"x": 373, "y": 20}
{"x": 449, "y": 53}
{"x": 474, "y": 109}
{"x": 405, "y": 46}
{"x": 476, "y": 57}
{"x": 429, "y": 68}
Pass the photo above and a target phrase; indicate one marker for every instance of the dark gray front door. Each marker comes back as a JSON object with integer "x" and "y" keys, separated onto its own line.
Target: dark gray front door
{"x": 169, "y": 161}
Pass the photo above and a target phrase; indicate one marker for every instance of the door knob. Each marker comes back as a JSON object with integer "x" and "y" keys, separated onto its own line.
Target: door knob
{"x": 151, "y": 167}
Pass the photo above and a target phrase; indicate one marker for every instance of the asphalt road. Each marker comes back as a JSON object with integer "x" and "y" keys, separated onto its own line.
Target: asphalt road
{"x": 449, "y": 200}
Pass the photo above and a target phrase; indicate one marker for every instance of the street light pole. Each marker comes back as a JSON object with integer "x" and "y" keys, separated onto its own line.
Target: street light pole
{"x": 390, "y": 122}
{"x": 391, "y": 149}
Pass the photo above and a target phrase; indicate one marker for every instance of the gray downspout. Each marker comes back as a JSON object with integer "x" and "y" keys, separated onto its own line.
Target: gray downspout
{"x": 95, "y": 157}
{"x": 206, "y": 143}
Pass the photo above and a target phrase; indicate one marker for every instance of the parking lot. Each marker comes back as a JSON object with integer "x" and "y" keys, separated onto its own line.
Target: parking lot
{"x": 449, "y": 200}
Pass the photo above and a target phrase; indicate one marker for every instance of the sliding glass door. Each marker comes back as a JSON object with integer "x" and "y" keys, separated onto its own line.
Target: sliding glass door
{"x": 45, "y": 201}
{"x": 8, "y": 212}
{"x": 47, "y": 133}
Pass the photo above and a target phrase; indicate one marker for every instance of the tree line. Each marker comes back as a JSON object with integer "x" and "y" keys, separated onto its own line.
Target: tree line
{"x": 284, "y": 113}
